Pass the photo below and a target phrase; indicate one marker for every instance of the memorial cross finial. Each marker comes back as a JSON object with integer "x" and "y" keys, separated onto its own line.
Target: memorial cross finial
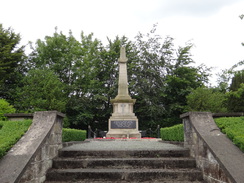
{"x": 122, "y": 57}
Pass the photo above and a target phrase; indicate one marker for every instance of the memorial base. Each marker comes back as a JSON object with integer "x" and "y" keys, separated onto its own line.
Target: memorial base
{"x": 121, "y": 134}
{"x": 125, "y": 128}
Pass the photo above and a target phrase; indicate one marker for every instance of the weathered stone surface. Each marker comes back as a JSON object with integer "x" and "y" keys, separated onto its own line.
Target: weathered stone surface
{"x": 124, "y": 161}
{"x": 216, "y": 155}
{"x": 32, "y": 155}
{"x": 18, "y": 116}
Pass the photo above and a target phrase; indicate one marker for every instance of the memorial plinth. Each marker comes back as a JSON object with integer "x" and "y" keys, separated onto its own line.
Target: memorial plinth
{"x": 123, "y": 123}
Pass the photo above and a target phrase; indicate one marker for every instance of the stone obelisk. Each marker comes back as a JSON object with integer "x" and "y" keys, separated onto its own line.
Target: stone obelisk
{"x": 123, "y": 123}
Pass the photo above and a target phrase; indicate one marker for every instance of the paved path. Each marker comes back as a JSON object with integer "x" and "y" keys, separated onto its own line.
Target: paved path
{"x": 100, "y": 145}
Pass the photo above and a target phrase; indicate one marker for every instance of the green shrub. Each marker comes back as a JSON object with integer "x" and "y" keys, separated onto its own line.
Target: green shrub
{"x": 233, "y": 127}
{"x": 10, "y": 133}
{"x": 5, "y": 108}
{"x": 73, "y": 135}
{"x": 174, "y": 133}
{"x": 206, "y": 99}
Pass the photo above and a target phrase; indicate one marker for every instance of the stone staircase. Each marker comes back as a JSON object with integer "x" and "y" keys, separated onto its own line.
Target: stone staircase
{"x": 124, "y": 166}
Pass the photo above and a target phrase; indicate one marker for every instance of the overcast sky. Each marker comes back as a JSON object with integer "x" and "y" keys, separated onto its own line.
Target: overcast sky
{"x": 213, "y": 26}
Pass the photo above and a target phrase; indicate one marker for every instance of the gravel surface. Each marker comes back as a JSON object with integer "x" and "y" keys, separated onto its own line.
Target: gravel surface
{"x": 123, "y": 145}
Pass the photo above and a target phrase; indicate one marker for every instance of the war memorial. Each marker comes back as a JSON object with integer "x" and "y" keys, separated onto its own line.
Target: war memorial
{"x": 123, "y": 122}
{"x": 205, "y": 156}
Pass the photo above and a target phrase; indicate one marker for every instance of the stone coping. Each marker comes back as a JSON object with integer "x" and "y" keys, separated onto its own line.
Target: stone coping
{"x": 214, "y": 115}
{"x": 235, "y": 114}
{"x": 18, "y": 115}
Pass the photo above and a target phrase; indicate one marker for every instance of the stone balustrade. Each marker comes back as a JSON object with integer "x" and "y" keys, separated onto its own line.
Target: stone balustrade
{"x": 31, "y": 157}
{"x": 219, "y": 159}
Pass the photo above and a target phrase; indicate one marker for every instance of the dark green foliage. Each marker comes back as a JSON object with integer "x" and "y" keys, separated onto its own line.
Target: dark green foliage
{"x": 174, "y": 133}
{"x": 73, "y": 135}
{"x": 233, "y": 127}
{"x": 11, "y": 59}
{"x": 207, "y": 100}
{"x": 41, "y": 91}
{"x": 228, "y": 75}
{"x": 160, "y": 77}
{"x": 237, "y": 80}
{"x": 235, "y": 98}
{"x": 10, "y": 133}
{"x": 5, "y": 108}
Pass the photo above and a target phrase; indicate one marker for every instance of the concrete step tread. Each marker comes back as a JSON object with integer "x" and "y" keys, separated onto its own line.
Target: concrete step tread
{"x": 125, "y": 159}
{"x": 124, "y": 153}
{"x": 122, "y": 163}
{"x": 142, "y": 174}
{"x": 108, "y": 170}
{"x": 122, "y": 181}
{"x": 138, "y": 150}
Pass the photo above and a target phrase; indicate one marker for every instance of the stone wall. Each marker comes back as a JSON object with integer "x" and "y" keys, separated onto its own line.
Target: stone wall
{"x": 219, "y": 159}
{"x": 32, "y": 156}
{"x": 18, "y": 116}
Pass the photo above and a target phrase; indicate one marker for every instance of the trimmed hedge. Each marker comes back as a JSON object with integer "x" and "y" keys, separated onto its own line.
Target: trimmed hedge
{"x": 173, "y": 133}
{"x": 10, "y": 133}
{"x": 233, "y": 127}
{"x": 73, "y": 135}
{"x": 5, "y": 108}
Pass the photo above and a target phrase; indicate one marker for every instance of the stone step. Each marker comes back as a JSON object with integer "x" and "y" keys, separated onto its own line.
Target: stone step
{"x": 122, "y": 181}
{"x": 124, "y": 153}
{"x": 124, "y": 163}
{"x": 124, "y": 175}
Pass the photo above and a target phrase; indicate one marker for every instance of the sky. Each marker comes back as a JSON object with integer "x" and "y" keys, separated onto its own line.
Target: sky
{"x": 213, "y": 26}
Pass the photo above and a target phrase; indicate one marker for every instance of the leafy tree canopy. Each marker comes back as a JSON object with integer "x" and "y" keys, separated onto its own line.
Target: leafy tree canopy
{"x": 235, "y": 98}
{"x": 206, "y": 99}
{"x": 11, "y": 58}
{"x": 41, "y": 90}
{"x": 160, "y": 76}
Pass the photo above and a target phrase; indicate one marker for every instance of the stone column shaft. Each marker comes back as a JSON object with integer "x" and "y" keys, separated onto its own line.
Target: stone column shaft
{"x": 123, "y": 80}
{"x": 123, "y": 92}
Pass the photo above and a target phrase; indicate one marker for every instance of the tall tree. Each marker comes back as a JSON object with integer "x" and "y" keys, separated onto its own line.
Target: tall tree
{"x": 235, "y": 97}
{"x": 156, "y": 73}
{"x": 237, "y": 80}
{"x": 42, "y": 90}
{"x": 88, "y": 104}
{"x": 164, "y": 78}
{"x": 59, "y": 53}
{"x": 11, "y": 57}
{"x": 206, "y": 99}
{"x": 226, "y": 76}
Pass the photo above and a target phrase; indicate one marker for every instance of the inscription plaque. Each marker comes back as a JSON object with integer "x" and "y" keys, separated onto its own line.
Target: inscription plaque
{"x": 126, "y": 124}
